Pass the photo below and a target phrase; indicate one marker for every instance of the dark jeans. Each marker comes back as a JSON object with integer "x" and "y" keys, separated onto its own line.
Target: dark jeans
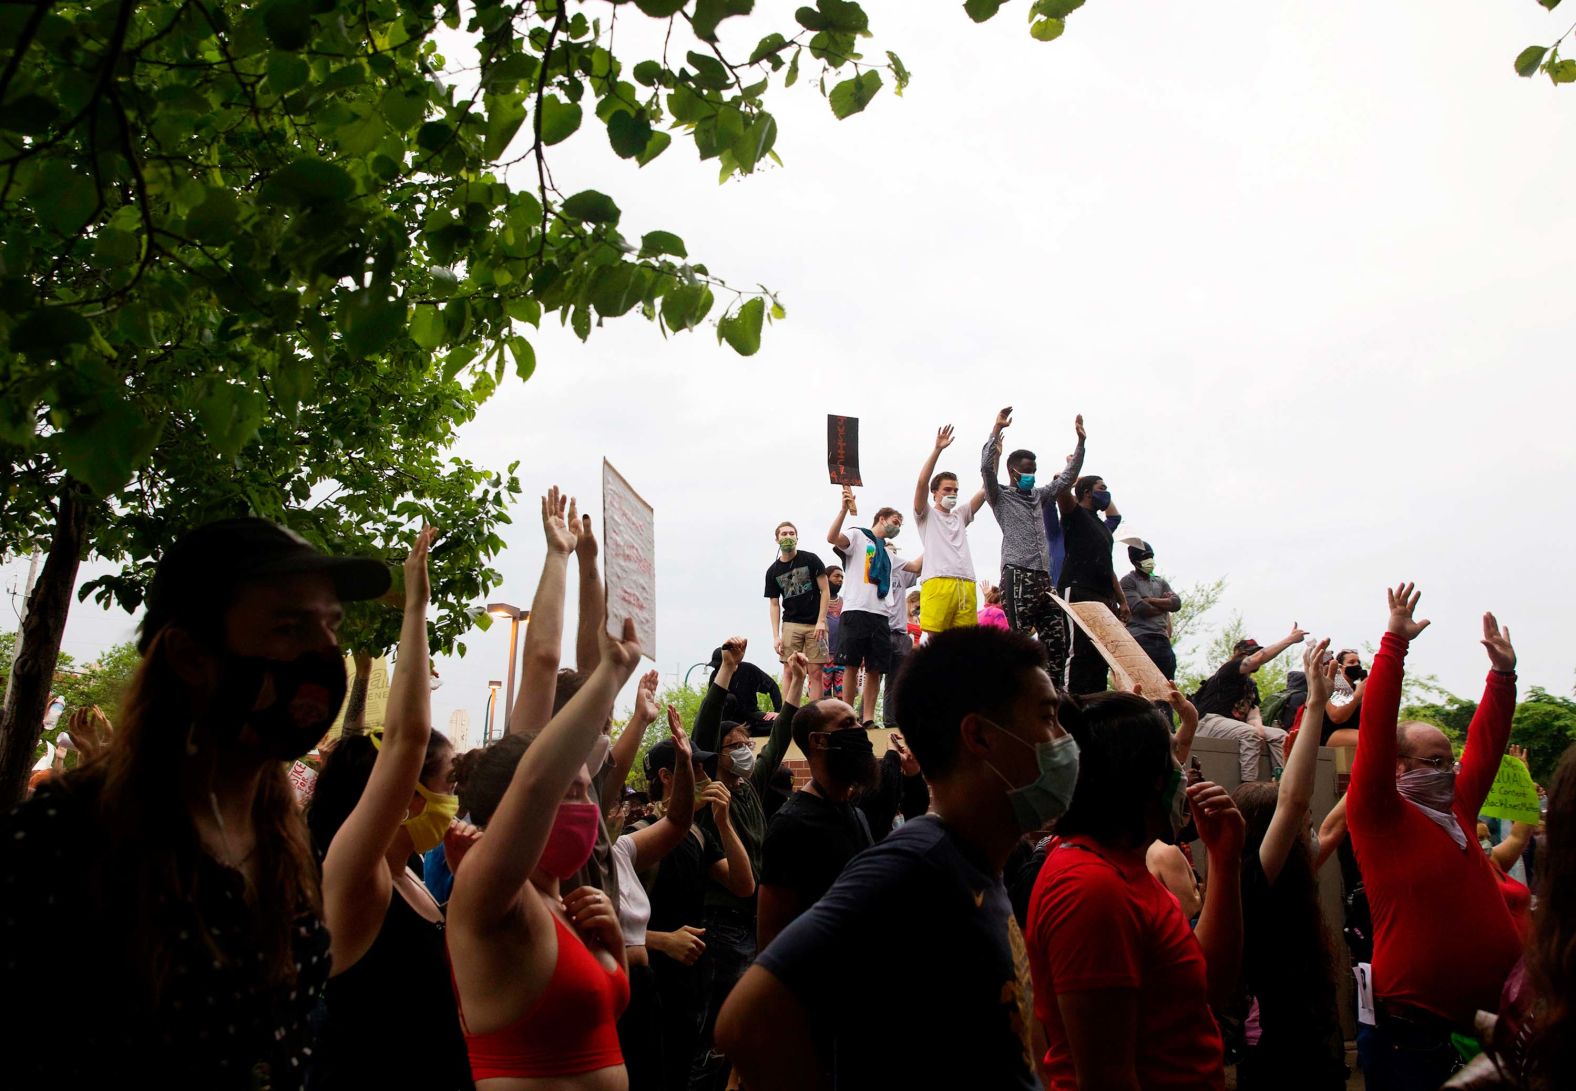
{"x": 1087, "y": 672}
{"x": 678, "y": 987}
{"x": 902, "y": 644}
{"x": 1404, "y": 1057}
{"x": 1159, "y": 649}
{"x": 640, "y": 1030}
{"x": 1026, "y": 600}
{"x": 730, "y": 948}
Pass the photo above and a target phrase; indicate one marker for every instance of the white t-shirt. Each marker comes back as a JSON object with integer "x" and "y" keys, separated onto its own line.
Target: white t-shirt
{"x": 634, "y": 908}
{"x": 897, "y": 598}
{"x": 944, "y": 534}
{"x": 858, "y": 593}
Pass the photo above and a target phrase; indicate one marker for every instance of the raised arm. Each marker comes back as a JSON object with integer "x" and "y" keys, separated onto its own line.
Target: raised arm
{"x": 772, "y": 754}
{"x": 835, "y": 537}
{"x": 544, "y": 637}
{"x": 628, "y": 744}
{"x": 1187, "y": 724}
{"x": 1508, "y": 851}
{"x": 976, "y": 502}
{"x": 990, "y": 456}
{"x": 1253, "y": 662}
{"x": 707, "y": 731}
{"x": 356, "y": 879}
{"x": 1219, "y": 930}
{"x": 668, "y": 832}
{"x": 1295, "y": 790}
{"x": 593, "y": 599}
{"x": 1372, "y": 790}
{"x": 1063, "y": 484}
{"x": 1490, "y": 728}
{"x": 489, "y": 884}
{"x": 922, "y": 490}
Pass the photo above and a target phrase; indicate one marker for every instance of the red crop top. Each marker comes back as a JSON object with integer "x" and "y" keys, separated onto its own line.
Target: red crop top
{"x": 572, "y": 1027}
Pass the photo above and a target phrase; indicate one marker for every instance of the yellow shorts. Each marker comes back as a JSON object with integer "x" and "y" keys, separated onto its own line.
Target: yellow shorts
{"x": 946, "y": 602}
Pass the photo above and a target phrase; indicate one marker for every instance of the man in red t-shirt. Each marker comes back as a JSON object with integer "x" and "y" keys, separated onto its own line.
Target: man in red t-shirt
{"x": 1444, "y": 941}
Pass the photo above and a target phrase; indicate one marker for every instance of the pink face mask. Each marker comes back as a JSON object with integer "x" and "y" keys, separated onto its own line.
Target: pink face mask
{"x": 570, "y": 841}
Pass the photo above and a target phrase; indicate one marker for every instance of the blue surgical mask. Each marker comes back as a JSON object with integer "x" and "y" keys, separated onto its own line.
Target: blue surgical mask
{"x": 1026, "y": 482}
{"x": 1102, "y": 499}
{"x": 1046, "y": 798}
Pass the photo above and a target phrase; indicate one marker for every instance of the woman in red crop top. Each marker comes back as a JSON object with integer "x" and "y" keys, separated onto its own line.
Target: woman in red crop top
{"x": 539, "y": 972}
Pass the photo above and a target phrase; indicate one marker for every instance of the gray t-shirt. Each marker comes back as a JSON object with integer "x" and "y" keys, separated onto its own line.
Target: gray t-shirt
{"x": 1146, "y": 620}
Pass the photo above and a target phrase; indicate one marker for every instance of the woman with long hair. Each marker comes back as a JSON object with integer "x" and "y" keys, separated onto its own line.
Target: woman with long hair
{"x": 539, "y": 971}
{"x": 377, "y": 802}
{"x": 175, "y": 868}
{"x": 1287, "y": 964}
{"x": 1122, "y": 985}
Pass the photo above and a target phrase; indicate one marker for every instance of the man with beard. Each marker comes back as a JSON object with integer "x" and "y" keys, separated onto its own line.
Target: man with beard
{"x": 819, "y": 829}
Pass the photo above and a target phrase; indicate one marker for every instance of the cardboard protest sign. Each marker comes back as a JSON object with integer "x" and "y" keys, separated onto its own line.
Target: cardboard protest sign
{"x": 842, "y": 449}
{"x": 629, "y": 532}
{"x": 1130, "y": 664}
{"x": 1513, "y": 794}
{"x": 303, "y": 778}
{"x": 376, "y": 711}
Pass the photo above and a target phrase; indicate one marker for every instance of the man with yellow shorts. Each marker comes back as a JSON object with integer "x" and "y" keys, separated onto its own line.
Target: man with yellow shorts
{"x": 947, "y": 592}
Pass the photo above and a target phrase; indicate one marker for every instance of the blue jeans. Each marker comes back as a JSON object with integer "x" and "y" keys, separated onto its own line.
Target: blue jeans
{"x": 1404, "y": 1057}
{"x": 730, "y": 948}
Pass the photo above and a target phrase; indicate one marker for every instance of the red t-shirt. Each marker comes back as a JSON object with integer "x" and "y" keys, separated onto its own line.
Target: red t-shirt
{"x": 1099, "y": 920}
{"x": 1443, "y": 936}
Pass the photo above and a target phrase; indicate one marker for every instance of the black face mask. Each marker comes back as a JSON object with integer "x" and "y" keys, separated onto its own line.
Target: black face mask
{"x": 833, "y": 589}
{"x": 308, "y": 692}
{"x": 1354, "y": 673}
{"x": 850, "y": 756}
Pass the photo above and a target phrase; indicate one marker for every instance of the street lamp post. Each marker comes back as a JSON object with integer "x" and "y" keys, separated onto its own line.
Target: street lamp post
{"x": 515, "y": 616}
{"x": 492, "y": 704}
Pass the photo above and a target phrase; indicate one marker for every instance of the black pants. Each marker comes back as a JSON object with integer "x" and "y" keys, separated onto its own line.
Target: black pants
{"x": 1158, "y": 647}
{"x": 640, "y": 1030}
{"x": 901, "y": 646}
{"x": 1087, "y": 672}
{"x": 678, "y": 987}
{"x": 1026, "y": 600}
{"x": 730, "y": 948}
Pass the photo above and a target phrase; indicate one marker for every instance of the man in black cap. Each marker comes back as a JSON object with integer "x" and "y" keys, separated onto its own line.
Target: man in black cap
{"x": 1228, "y": 704}
{"x": 185, "y": 832}
{"x": 1150, "y": 604}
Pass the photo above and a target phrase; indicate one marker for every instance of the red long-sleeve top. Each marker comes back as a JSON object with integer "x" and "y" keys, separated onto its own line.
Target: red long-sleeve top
{"x": 1443, "y": 937}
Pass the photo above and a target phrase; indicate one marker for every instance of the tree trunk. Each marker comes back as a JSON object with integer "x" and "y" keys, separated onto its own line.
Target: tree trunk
{"x": 38, "y": 644}
{"x": 356, "y": 701}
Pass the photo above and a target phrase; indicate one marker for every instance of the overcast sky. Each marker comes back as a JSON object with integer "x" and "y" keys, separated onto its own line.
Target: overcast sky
{"x": 1300, "y": 270}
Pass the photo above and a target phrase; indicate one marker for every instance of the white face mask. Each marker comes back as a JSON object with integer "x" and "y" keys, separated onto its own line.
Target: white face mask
{"x": 949, "y": 502}
{"x": 743, "y": 758}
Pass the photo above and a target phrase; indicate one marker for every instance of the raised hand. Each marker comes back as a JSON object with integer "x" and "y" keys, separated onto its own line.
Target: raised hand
{"x": 560, "y": 522}
{"x": 681, "y": 742}
{"x": 417, "y": 586}
{"x": 622, "y": 654}
{"x": 594, "y": 916}
{"x": 459, "y": 839}
{"x": 795, "y": 667}
{"x": 1403, "y": 604}
{"x": 1297, "y": 634}
{"x": 1320, "y": 674}
{"x": 1079, "y": 428}
{"x": 907, "y": 763}
{"x": 1501, "y": 653}
{"x": 733, "y": 650}
{"x": 720, "y": 799}
{"x": 849, "y": 504}
{"x": 586, "y": 546}
{"x": 1220, "y": 825}
{"x": 1004, "y": 418}
{"x": 1518, "y": 752}
{"x": 646, "y": 706}
{"x": 1187, "y": 715}
{"x": 943, "y": 437}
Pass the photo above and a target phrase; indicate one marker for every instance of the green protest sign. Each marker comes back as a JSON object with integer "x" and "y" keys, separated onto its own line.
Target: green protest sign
{"x": 1513, "y": 795}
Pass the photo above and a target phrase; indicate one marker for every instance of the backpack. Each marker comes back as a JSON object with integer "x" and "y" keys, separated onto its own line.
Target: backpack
{"x": 1281, "y": 709}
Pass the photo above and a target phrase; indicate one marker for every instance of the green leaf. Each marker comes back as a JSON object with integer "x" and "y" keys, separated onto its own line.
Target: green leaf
{"x": 844, "y": 15}
{"x": 648, "y": 73}
{"x": 426, "y": 326}
{"x": 755, "y": 142}
{"x": 133, "y": 324}
{"x": 742, "y": 328}
{"x": 708, "y": 13}
{"x": 1563, "y": 71}
{"x": 628, "y": 134}
{"x": 524, "y": 357}
{"x": 660, "y": 9}
{"x": 309, "y": 182}
{"x": 1528, "y": 59}
{"x": 402, "y": 109}
{"x": 614, "y": 290}
{"x": 505, "y": 115}
{"x": 103, "y": 449}
{"x": 1047, "y": 30}
{"x": 370, "y": 320}
{"x": 1053, "y": 9}
{"x": 559, "y": 119}
{"x": 47, "y": 331}
{"x": 524, "y": 309}
{"x": 286, "y": 72}
{"x": 114, "y": 247}
{"x": 288, "y": 23}
{"x": 793, "y": 70}
{"x": 589, "y": 206}
{"x": 62, "y": 197}
{"x": 1550, "y": 4}
{"x": 213, "y": 220}
{"x": 653, "y": 243}
{"x": 853, "y": 95}
{"x": 768, "y": 45}
{"x": 654, "y": 147}
{"x": 981, "y": 10}
{"x": 686, "y": 306}
{"x": 230, "y": 415}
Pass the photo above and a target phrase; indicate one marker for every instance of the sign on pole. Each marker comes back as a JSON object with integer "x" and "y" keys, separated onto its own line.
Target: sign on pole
{"x": 842, "y": 449}
{"x": 630, "y": 559}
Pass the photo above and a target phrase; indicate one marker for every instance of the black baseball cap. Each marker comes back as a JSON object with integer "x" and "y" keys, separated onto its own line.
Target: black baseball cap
{"x": 664, "y": 754}
{"x": 1247, "y": 646}
{"x": 196, "y": 574}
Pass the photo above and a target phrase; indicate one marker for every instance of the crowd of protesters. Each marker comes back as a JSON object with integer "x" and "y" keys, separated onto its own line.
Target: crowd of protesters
{"x": 1005, "y": 898}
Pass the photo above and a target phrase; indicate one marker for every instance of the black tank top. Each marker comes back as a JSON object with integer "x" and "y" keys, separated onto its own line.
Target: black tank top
{"x": 391, "y": 1018}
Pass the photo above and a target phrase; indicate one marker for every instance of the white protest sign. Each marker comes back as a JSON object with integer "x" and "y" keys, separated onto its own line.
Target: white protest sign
{"x": 629, "y": 548}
